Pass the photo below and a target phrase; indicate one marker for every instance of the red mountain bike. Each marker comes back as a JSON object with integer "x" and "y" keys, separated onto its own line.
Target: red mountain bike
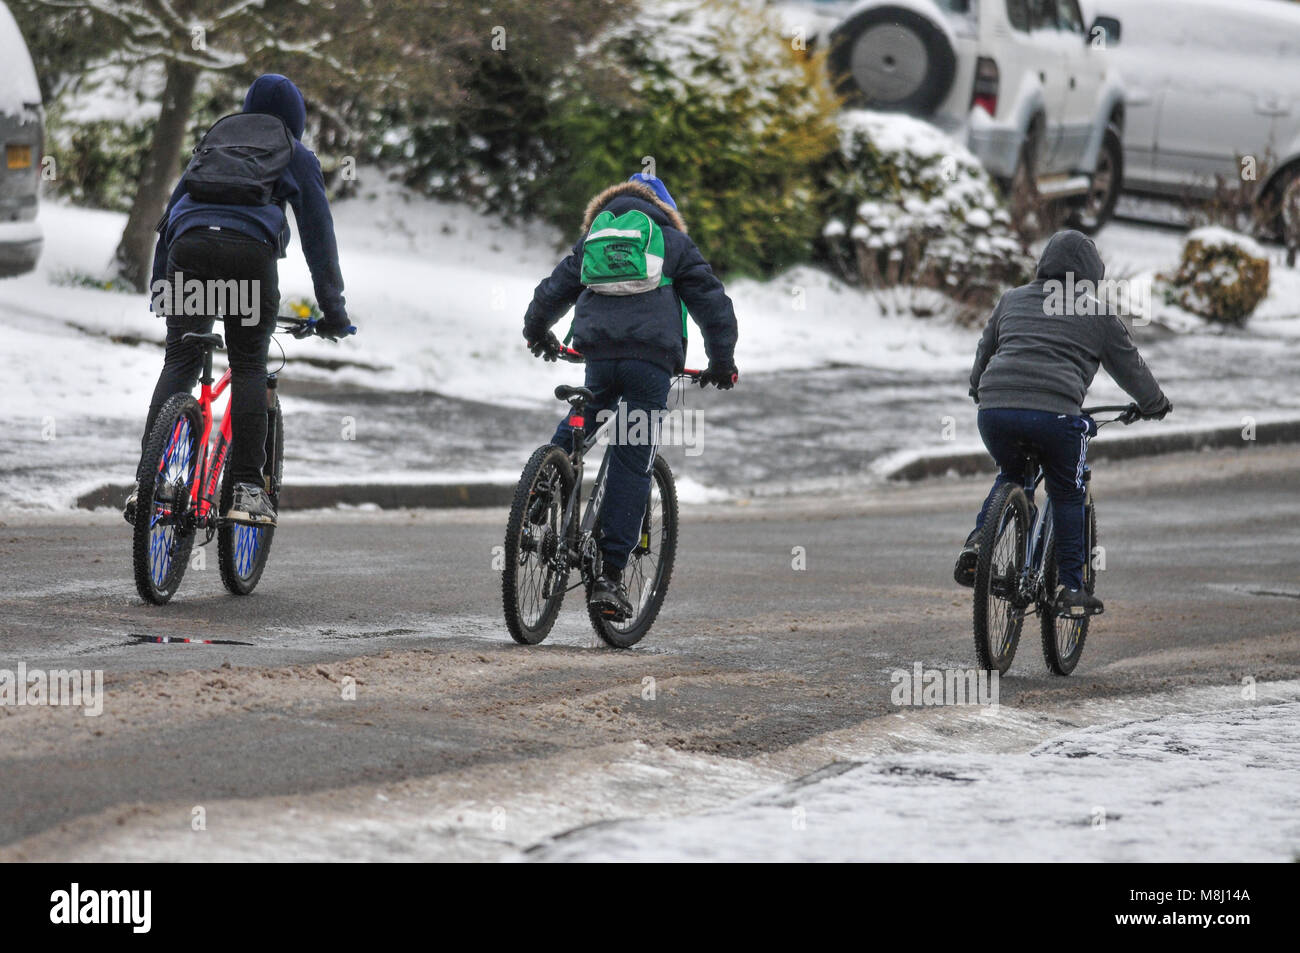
{"x": 189, "y": 470}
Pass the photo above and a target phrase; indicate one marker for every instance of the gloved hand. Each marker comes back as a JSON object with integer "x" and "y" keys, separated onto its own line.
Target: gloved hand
{"x": 333, "y": 326}
{"x": 547, "y": 348}
{"x": 720, "y": 375}
{"x": 1164, "y": 411}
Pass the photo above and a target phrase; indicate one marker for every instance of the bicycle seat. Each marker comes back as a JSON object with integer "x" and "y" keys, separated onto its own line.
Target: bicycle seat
{"x": 565, "y": 392}
{"x": 207, "y": 340}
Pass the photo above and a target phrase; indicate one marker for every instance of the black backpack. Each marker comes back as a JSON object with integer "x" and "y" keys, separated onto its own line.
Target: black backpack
{"x": 239, "y": 160}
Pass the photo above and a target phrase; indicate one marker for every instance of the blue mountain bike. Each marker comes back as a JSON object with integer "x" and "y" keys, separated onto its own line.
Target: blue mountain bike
{"x": 1016, "y": 573}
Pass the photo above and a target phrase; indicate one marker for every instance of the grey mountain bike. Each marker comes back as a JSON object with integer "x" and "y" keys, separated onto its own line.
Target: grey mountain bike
{"x": 1016, "y": 573}
{"x": 550, "y": 535}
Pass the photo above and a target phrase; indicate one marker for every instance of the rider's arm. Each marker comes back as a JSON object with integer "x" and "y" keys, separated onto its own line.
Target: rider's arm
{"x": 311, "y": 209}
{"x": 160, "y": 249}
{"x": 984, "y": 352}
{"x": 707, "y": 301}
{"x": 554, "y": 296}
{"x": 1122, "y": 361}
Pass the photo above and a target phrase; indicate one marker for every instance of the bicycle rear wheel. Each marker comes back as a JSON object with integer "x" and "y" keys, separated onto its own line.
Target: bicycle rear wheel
{"x": 998, "y": 619}
{"x": 242, "y": 550}
{"x": 1063, "y": 638}
{"x": 536, "y": 571}
{"x": 650, "y": 565}
{"x": 164, "y": 534}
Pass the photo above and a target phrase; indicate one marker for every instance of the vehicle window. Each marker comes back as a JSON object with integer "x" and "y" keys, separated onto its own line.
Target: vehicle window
{"x": 1043, "y": 15}
{"x": 1069, "y": 18}
{"x": 1018, "y": 14}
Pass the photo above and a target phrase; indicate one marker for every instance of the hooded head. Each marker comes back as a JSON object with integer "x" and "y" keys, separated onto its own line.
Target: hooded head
{"x": 656, "y": 186}
{"x": 276, "y": 95}
{"x": 1071, "y": 252}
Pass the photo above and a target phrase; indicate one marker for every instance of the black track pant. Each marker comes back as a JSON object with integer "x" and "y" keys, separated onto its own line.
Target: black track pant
{"x": 208, "y": 255}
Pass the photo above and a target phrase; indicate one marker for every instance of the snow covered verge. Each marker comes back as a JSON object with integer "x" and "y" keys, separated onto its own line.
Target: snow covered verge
{"x": 438, "y": 292}
{"x": 1219, "y": 786}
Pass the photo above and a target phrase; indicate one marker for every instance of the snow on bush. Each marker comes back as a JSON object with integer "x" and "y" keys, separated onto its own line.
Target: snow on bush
{"x": 909, "y": 206}
{"x": 99, "y": 126}
{"x": 710, "y": 96}
{"x": 1223, "y": 276}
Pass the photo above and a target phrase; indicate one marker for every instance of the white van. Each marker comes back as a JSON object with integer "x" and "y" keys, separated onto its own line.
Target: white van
{"x": 1208, "y": 83}
{"x": 22, "y": 140}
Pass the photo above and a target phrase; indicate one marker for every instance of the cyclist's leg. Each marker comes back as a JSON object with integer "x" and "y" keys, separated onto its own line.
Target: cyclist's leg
{"x": 1063, "y": 443}
{"x": 602, "y": 381}
{"x": 1002, "y": 432}
{"x": 181, "y": 362}
{"x": 252, "y": 265}
{"x": 645, "y": 389}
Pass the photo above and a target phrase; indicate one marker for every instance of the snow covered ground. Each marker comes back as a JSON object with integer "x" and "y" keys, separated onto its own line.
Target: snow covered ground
{"x": 440, "y": 387}
{"x": 1220, "y": 786}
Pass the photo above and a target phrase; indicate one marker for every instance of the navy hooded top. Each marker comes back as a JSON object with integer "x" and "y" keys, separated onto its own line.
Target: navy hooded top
{"x": 301, "y": 186}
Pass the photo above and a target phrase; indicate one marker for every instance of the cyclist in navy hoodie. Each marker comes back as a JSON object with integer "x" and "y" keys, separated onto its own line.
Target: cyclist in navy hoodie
{"x": 225, "y": 242}
{"x": 633, "y": 346}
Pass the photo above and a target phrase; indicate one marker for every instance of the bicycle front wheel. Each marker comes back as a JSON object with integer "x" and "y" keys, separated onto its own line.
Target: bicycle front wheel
{"x": 536, "y": 570}
{"x": 164, "y": 532}
{"x": 1063, "y": 638}
{"x": 998, "y": 616}
{"x": 650, "y": 565}
{"x": 242, "y": 550}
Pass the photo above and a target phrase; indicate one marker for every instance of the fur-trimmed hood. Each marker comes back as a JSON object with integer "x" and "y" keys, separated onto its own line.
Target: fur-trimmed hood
{"x": 634, "y": 190}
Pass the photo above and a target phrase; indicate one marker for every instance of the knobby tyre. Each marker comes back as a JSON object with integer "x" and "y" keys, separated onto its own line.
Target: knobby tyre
{"x": 997, "y": 617}
{"x": 164, "y": 532}
{"x": 1063, "y": 638}
{"x": 650, "y": 566}
{"x": 242, "y": 551}
{"x": 536, "y": 572}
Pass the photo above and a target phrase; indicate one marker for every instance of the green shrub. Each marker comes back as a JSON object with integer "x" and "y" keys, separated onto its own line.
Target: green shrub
{"x": 907, "y": 206}
{"x": 708, "y": 95}
{"x": 1222, "y": 276}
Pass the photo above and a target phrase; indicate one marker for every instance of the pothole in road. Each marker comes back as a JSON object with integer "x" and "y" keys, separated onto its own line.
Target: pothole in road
{"x": 175, "y": 639}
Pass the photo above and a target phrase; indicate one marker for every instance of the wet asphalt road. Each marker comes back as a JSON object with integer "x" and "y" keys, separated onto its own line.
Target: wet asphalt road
{"x": 752, "y": 656}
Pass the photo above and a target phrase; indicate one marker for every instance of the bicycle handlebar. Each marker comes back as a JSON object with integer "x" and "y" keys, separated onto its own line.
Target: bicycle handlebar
{"x": 1128, "y": 413}
{"x": 308, "y": 327}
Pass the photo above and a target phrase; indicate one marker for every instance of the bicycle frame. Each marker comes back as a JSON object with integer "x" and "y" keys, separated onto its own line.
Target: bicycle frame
{"x": 212, "y": 461}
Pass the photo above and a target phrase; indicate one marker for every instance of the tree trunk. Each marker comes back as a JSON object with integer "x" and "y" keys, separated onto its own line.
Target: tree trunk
{"x": 133, "y": 260}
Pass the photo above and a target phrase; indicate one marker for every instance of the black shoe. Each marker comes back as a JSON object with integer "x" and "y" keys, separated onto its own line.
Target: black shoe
{"x": 1077, "y": 603}
{"x": 609, "y": 598}
{"x": 128, "y": 508}
{"x": 250, "y": 506}
{"x": 964, "y": 572}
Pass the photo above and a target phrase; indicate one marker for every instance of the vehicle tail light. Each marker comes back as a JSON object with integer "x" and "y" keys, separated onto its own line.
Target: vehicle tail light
{"x": 985, "y": 94}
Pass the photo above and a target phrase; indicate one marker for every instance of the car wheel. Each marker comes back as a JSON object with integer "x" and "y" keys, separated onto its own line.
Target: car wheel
{"x": 1031, "y": 214}
{"x": 892, "y": 58}
{"x": 1279, "y": 209}
{"x": 1098, "y": 205}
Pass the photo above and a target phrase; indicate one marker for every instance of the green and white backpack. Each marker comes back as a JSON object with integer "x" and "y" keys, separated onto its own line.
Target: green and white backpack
{"x": 624, "y": 255}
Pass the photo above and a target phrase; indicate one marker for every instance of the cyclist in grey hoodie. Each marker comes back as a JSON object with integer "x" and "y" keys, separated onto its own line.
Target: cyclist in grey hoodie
{"x": 1038, "y": 355}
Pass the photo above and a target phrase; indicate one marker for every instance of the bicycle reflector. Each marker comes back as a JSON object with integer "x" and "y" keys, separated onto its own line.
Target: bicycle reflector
{"x": 576, "y": 422}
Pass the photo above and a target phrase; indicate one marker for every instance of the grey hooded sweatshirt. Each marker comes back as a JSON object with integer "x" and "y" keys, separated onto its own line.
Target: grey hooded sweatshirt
{"x": 1030, "y": 359}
